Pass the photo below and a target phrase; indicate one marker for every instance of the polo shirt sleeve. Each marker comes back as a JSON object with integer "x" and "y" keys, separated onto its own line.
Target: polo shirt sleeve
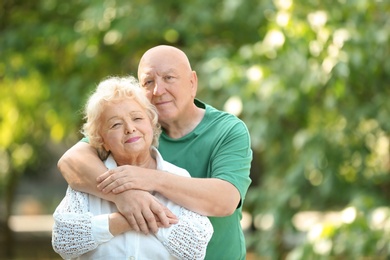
{"x": 231, "y": 160}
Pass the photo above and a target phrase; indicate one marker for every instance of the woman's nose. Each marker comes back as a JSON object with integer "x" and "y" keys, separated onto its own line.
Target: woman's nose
{"x": 130, "y": 129}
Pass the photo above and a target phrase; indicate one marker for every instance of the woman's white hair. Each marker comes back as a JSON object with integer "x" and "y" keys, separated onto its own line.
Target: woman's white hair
{"x": 115, "y": 89}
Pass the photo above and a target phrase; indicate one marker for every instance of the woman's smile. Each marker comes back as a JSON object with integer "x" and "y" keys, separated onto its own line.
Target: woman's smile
{"x": 133, "y": 139}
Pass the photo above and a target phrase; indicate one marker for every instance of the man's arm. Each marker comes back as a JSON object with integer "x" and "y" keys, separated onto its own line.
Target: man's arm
{"x": 209, "y": 197}
{"x": 219, "y": 195}
{"x": 80, "y": 166}
{"x": 205, "y": 196}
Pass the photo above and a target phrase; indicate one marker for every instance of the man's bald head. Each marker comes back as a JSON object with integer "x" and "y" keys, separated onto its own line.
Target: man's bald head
{"x": 163, "y": 54}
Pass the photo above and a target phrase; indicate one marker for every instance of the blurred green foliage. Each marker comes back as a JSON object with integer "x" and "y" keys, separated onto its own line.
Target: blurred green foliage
{"x": 310, "y": 78}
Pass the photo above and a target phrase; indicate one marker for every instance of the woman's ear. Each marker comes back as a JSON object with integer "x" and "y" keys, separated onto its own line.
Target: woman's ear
{"x": 103, "y": 144}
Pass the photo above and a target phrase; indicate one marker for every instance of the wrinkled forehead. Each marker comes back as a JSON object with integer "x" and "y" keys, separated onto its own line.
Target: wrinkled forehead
{"x": 151, "y": 72}
{"x": 160, "y": 70}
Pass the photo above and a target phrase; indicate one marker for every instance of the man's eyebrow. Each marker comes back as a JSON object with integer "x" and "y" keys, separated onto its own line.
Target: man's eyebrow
{"x": 147, "y": 75}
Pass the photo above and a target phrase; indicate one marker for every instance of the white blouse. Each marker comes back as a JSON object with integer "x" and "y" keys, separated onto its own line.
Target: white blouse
{"x": 81, "y": 228}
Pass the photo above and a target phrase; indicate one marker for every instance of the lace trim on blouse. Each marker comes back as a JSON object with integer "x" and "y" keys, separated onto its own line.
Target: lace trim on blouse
{"x": 72, "y": 231}
{"x": 189, "y": 239}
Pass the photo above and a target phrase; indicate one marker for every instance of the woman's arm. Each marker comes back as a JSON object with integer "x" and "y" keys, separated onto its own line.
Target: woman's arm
{"x": 189, "y": 238}
{"x": 77, "y": 231}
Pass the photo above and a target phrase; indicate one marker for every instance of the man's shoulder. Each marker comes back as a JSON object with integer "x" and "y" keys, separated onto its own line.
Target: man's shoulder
{"x": 221, "y": 121}
{"x": 222, "y": 118}
{"x": 215, "y": 111}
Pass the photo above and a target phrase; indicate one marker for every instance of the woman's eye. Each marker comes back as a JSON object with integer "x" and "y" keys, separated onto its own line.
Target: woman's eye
{"x": 115, "y": 125}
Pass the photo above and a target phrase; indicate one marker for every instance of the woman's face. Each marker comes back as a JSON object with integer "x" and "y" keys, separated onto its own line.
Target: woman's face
{"x": 126, "y": 131}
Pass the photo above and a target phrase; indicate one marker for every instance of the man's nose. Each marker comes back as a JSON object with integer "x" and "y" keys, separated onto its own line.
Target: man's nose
{"x": 159, "y": 88}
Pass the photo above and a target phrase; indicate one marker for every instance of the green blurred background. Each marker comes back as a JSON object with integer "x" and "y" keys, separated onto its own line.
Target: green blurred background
{"x": 310, "y": 78}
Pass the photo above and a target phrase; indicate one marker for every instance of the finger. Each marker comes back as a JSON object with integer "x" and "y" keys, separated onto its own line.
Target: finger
{"x": 104, "y": 179}
{"x": 122, "y": 188}
{"x": 172, "y": 221}
{"x": 171, "y": 217}
{"x": 112, "y": 182}
{"x": 132, "y": 222}
{"x": 141, "y": 223}
{"x": 159, "y": 224}
{"x": 104, "y": 176}
{"x": 151, "y": 221}
{"x": 105, "y": 183}
{"x": 159, "y": 211}
{"x": 119, "y": 185}
{"x": 169, "y": 213}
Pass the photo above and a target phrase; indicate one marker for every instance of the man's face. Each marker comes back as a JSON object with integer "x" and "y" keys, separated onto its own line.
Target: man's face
{"x": 170, "y": 86}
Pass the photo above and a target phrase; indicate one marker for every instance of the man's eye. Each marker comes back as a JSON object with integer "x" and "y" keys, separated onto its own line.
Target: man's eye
{"x": 147, "y": 83}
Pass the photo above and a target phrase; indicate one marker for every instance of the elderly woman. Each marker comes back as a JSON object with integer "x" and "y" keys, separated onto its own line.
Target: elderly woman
{"x": 122, "y": 124}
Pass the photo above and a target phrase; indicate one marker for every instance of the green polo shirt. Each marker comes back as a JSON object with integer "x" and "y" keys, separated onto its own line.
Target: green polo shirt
{"x": 219, "y": 147}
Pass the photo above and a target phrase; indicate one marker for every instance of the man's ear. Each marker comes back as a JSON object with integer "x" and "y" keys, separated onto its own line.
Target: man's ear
{"x": 194, "y": 82}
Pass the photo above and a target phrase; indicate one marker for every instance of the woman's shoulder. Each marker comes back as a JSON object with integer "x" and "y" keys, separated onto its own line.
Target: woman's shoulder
{"x": 169, "y": 167}
{"x": 163, "y": 165}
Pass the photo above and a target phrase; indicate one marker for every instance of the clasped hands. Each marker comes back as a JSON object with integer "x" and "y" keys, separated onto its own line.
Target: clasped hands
{"x": 132, "y": 186}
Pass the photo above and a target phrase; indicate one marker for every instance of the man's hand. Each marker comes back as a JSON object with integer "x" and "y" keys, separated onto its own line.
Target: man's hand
{"x": 124, "y": 178}
{"x": 143, "y": 211}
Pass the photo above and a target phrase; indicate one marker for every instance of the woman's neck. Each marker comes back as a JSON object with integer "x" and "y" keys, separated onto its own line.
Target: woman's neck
{"x": 144, "y": 162}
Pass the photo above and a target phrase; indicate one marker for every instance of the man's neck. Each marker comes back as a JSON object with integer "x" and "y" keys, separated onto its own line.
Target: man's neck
{"x": 186, "y": 124}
